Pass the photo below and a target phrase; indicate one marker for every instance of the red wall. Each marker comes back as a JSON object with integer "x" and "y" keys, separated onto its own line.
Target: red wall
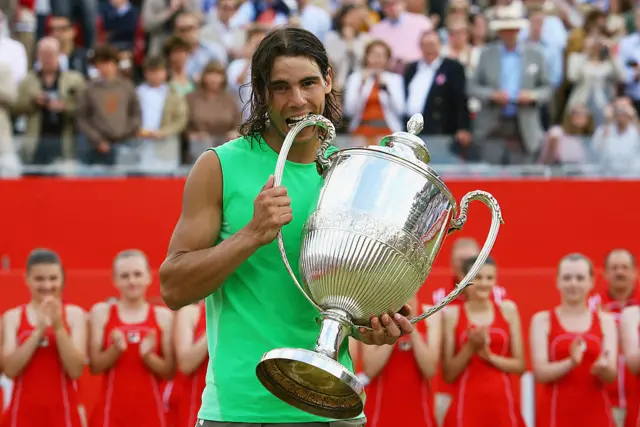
{"x": 89, "y": 221}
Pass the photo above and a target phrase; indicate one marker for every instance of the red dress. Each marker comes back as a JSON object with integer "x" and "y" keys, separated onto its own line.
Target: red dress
{"x": 43, "y": 394}
{"x": 192, "y": 386}
{"x": 400, "y": 386}
{"x": 484, "y": 396}
{"x": 564, "y": 403}
{"x": 131, "y": 395}
{"x": 499, "y": 293}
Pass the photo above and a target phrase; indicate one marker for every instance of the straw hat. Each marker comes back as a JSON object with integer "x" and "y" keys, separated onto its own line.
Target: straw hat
{"x": 509, "y": 17}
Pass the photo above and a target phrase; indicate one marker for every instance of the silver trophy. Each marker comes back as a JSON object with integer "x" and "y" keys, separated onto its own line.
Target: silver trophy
{"x": 367, "y": 248}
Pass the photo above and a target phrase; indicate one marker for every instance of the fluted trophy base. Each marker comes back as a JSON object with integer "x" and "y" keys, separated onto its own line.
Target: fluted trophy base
{"x": 314, "y": 381}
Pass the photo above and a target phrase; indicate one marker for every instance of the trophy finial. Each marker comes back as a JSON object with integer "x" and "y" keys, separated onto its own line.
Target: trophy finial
{"x": 415, "y": 124}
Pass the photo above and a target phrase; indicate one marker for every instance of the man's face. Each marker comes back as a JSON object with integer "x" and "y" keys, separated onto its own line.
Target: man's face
{"x": 392, "y": 8}
{"x": 48, "y": 57}
{"x": 430, "y": 45}
{"x": 620, "y": 272}
{"x": 509, "y": 37}
{"x": 187, "y": 27}
{"x": 226, "y": 9}
{"x": 297, "y": 88}
{"x": 61, "y": 29}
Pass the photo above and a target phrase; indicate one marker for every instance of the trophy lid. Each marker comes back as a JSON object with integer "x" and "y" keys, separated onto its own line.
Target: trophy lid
{"x": 408, "y": 145}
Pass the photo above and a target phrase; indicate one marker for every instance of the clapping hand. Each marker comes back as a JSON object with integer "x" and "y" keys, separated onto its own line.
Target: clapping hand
{"x": 576, "y": 351}
{"x": 118, "y": 339}
{"x": 52, "y": 309}
{"x": 148, "y": 344}
{"x": 600, "y": 366}
{"x": 387, "y": 330}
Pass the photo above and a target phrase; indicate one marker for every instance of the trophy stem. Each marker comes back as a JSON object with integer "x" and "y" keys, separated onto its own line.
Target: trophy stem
{"x": 334, "y": 328}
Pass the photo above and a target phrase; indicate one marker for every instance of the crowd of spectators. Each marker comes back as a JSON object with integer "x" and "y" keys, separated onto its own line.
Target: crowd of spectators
{"x": 151, "y": 83}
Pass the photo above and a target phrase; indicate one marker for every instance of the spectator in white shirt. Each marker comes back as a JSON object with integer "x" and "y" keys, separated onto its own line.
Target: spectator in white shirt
{"x": 312, "y": 18}
{"x": 12, "y": 53}
{"x": 617, "y": 142}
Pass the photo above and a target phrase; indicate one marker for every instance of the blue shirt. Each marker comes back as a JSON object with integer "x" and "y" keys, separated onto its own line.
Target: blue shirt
{"x": 510, "y": 73}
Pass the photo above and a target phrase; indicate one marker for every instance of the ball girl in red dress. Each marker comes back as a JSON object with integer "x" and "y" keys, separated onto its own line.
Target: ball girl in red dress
{"x": 192, "y": 360}
{"x": 482, "y": 349}
{"x": 574, "y": 352}
{"x": 400, "y": 375}
{"x": 44, "y": 348}
{"x": 131, "y": 344}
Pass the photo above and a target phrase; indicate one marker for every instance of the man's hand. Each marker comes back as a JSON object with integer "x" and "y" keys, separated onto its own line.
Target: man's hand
{"x": 500, "y": 97}
{"x": 387, "y": 330}
{"x": 56, "y": 106}
{"x": 104, "y": 147}
{"x": 271, "y": 210}
{"x": 463, "y": 137}
{"x": 525, "y": 97}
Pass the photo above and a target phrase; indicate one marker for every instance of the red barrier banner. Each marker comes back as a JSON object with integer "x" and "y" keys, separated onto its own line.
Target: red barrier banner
{"x": 88, "y": 221}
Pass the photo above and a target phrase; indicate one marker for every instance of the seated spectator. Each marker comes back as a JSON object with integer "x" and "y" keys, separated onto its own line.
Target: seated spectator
{"x": 72, "y": 56}
{"x": 108, "y": 111}
{"x": 457, "y": 10}
{"x": 24, "y": 25}
{"x": 239, "y": 71}
{"x": 347, "y": 41}
{"x": 479, "y": 31}
{"x": 594, "y": 74}
{"x": 213, "y": 112}
{"x": 458, "y": 46}
{"x": 508, "y": 124}
{"x": 200, "y": 53}
{"x": 158, "y": 20}
{"x": 264, "y": 12}
{"x": 219, "y": 28}
{"x": 313, "y": 18}
{"x": 9, "y": 164}
{"x": 435, "y": 88}
{"x": 120, "y": 22}
{"x": 374, "y": 97}
{"x": 617, "y": 141}
{"x": 629, "y": 60}
{"x": 177, "y": 51}
{"x": 164, "y": 117}
{"x": 565, "y": 144}
{"x": 401, "y": 30}
{"x": 12, "y": 52}
{"x": 49, "y": 98}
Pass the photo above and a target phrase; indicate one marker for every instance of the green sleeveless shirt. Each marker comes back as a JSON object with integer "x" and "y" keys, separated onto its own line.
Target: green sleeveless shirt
{"x": 258, "y": 308}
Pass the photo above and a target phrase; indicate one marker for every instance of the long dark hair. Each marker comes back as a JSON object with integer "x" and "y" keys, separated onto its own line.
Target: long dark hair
{"x": 286, "y": 41}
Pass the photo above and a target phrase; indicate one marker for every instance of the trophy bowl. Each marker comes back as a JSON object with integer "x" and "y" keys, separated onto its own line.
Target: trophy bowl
{"x": 368, "y": 246}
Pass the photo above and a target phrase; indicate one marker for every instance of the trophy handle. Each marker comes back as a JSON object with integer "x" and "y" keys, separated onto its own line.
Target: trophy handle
{"x": 456, "y": 225}
{"x": 326, "y": 138}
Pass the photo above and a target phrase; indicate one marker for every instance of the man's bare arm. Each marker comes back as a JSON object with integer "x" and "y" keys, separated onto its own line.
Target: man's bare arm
{"x": 194, "y": 269}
